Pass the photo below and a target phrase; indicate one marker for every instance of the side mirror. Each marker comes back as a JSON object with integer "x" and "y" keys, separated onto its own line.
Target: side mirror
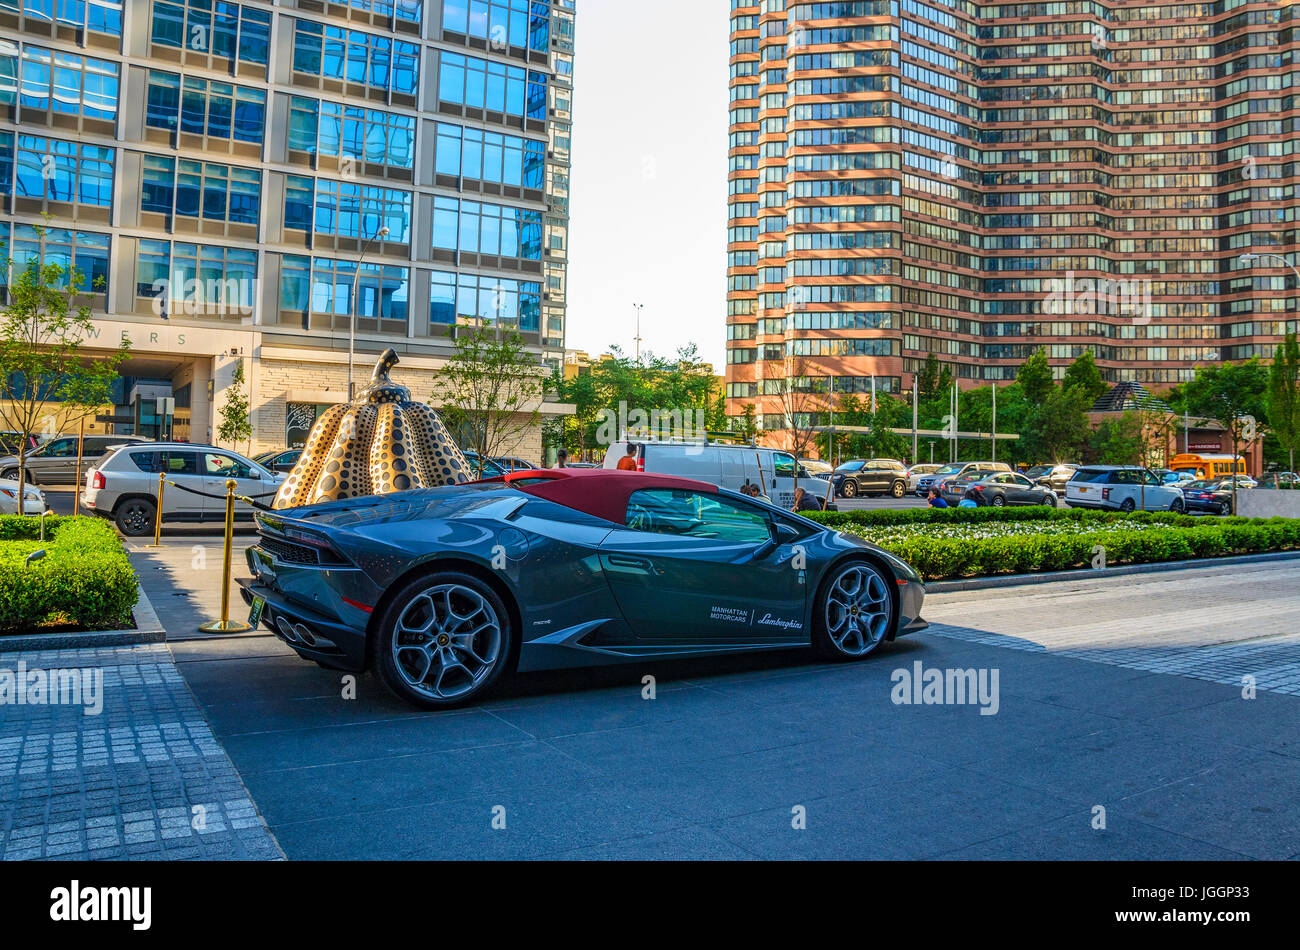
{"x": 785, "y": 533}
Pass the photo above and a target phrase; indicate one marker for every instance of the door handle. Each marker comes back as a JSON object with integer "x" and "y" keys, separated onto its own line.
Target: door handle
{"x": 622, "y": 560}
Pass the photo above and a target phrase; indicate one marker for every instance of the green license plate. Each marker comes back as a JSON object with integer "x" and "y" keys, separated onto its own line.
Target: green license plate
{"x": 255, "y": 612}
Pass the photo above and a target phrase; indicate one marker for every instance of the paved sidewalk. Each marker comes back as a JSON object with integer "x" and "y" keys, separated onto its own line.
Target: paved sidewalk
{"x": 143, "y": 778}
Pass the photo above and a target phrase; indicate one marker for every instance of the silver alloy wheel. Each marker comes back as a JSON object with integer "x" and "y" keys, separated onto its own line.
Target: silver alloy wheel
{"x": 857, "y": 610}
{"x": 446, "y": 641}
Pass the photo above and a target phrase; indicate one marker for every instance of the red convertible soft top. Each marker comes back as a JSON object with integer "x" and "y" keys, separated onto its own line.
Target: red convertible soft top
{"x": 602, "y": 492}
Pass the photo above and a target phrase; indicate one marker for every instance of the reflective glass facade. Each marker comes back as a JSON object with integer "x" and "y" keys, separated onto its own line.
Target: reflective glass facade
{"x": 259, "y": 148}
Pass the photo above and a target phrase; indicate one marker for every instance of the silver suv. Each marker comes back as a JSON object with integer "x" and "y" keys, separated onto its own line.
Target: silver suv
{"x": 123, "y": 485}
{"x": 1121, "y": 487}
{"x": 54, "y": 461}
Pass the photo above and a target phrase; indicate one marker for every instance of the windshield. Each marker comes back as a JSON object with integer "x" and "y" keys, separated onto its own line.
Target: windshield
{"x": 1037, "y": 470}
{"x": 951, "y": 469}
{"x": 1202, "y": 483}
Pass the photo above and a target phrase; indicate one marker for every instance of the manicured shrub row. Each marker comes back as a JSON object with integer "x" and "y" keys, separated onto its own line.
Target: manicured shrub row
{"x": 898, "y": 516}
{"x": 85, "y": 577}
{"x": 939, "y": 557}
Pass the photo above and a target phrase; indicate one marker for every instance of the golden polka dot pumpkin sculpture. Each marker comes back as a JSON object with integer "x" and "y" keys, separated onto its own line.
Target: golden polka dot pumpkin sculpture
{"x": 383, "y": 442}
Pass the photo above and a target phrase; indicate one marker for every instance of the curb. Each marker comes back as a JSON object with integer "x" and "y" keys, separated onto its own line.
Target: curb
{"x": 1016, "y": 580}
{"x": 147, "y": 630}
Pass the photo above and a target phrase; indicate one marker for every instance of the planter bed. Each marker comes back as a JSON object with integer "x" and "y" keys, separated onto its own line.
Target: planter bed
{"x": 84, "y": 581}
{"x": 983, "y": 542}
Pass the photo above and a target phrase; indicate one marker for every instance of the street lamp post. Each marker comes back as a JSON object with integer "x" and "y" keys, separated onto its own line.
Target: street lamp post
{"x": 352, "y": 315}
{"x": 638, "y": 307}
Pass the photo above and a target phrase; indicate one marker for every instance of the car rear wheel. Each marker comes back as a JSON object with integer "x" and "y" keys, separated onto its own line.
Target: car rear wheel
{"x": 899, "y": 489}
{"x": 1127, "y": 505}
{"x": 443, "y": 641}
{"x": 135, "y": 517}
{"x": 854, "y": 613}
{"x": 998, "y": 501}
{"x": 849, "y": 488}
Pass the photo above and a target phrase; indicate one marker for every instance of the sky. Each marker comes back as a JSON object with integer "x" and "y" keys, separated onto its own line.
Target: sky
{"x": 648, "y": 187}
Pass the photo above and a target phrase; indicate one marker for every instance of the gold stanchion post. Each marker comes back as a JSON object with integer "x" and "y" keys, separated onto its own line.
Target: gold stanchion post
{"x": 225, "y": 624}
{"x": 157, "y": 512}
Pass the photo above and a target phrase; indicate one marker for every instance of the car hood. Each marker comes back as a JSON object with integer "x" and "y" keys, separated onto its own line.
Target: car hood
{"x": 11, "y": 485}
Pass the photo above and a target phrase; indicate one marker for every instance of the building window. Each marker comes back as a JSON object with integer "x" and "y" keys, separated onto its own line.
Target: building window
{"x": 468, "y": 81}
{"x": 100, "y": 16}
{"x": 55, "y": 170}
{"x": 370, "y": 135}
{"x": 345, "y": 209}
{"x": 501, "y": 22}
{"x": 337, "y": 53}
{"x": 217, "y": 28}
{"x": 408, "y": 10}
{"x": 83, "y": 251}
{"x": 59, "y": 82}
{"x": 197, "y": 278}
{"x": 470, "y": 298}
{"x": 481, "y": 228}
{"x": 324, "y": 285}
{"x": 489, "y": 156}
{"x": 201, "y": 190}
{"x": 215, "y": 109}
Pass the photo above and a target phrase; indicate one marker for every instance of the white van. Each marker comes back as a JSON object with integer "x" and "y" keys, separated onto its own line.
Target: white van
{"x": 724, "y": 465}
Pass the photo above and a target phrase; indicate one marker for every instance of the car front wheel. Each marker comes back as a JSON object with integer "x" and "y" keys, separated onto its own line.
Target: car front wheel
{"x": 854, "y": 613}
{"x": 1177, "y": 506}
{"x": 12, "y": 475}
{"x": 135, "y": 517}
{"x": 443, "y": 641}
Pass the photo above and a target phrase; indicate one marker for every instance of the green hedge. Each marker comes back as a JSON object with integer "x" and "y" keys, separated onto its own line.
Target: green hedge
{"x": 1138, "y": 538}
{"x": 84, "y": 579}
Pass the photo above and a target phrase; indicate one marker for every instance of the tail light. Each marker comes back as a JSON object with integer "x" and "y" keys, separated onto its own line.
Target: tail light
{"x": 97, "y": 480}
{"x": 978, "y": 488}
{"x": 640, "y": 462}
{"x": 1105, "y": 494}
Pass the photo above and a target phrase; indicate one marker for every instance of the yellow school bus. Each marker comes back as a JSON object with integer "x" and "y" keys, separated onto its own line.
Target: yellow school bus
{"x": 1208, "y": 466}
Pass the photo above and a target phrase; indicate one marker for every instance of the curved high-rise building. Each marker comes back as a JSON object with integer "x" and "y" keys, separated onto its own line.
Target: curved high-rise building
{"x": 978, "y": 180}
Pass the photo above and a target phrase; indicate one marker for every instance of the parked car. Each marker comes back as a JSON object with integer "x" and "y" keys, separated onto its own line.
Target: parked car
{"x": 33, "y": 498}
{"x": 490, "y": 468}
{"x": 724, "y": 465}
{"x": 1208, "y": 494}
{"x": 1053, "y": 476}
{"x": 603, "y": 567}
{"x": 917, "y": 472}
{"x": 512, "y": 463}
{"x": 1243, "y": 481}
{"x": 871, "y": 477}
{"x": 1007, "y": 488}
{"x": 955, "y": 469}
{"x": 9, "y": 442}
{"x": 280, "y": 460}
{"x": 1122, "y": 488}
{"x": 816, "y": 467}
{"x": 581, "y": 465}
{"x": 1279, "y": 480}
{"x": 123, "y": 485}
{"x": 54, "y": 461}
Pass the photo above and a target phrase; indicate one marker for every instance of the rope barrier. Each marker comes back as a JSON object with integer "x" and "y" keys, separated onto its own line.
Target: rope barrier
{"x": 243, "y": 498}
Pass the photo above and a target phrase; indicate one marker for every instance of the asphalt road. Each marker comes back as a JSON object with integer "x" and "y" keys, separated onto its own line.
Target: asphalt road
{"x": 1119, "y": 701}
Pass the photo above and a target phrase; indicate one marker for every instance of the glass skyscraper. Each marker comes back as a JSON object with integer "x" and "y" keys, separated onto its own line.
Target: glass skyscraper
{"x": 978, "y": 180}
{"x": 242, "y": 180}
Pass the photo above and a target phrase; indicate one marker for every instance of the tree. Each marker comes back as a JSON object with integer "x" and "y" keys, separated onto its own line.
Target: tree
{"x": 1059, "y": 429}
{"x": 1118, "y": 441}
{"x": 800, "y": 398}
{"x": 1284, "y": 397}
{"x": 927, "y": 380}
{"x": 1233, "y": 395}
{"x": 236, "y": 423}
{"x": 490, "y": 391}
{"x": 1083, "y": 372}
{"x": 42, "y": 330}
{"x": 746, "y": 426}
{"x": 1035, "y": 377}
